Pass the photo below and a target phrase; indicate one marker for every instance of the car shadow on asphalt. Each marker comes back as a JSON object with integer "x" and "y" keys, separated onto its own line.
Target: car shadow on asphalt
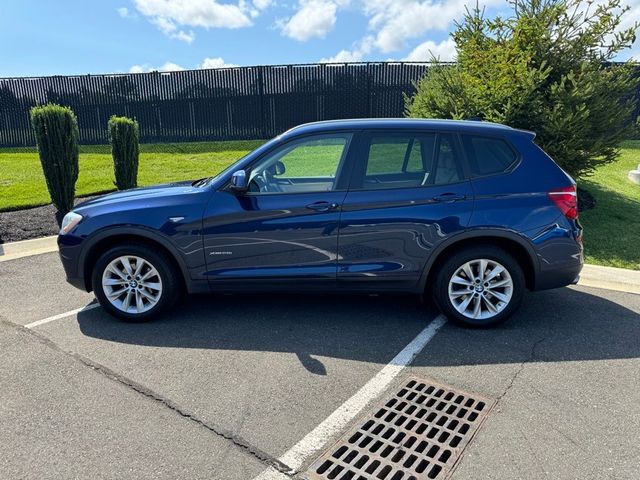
{"x": 371, "y": 329}
{"x": 554, "y": 326}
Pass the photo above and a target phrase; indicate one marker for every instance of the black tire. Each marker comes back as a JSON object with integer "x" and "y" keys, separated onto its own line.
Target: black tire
{"x": 447, "y": 269}
{"x": 169, "y": 274}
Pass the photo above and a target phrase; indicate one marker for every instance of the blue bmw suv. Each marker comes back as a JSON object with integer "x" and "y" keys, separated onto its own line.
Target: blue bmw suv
{"x": 472, "y": 213}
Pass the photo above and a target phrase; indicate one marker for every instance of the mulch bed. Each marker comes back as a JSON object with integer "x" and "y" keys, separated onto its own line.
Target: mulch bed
{"x": 30, "y": 223}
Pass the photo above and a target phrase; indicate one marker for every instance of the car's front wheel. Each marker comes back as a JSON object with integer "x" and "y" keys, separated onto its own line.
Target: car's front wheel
{"x": 479, "y": 286}
{"x": 134, "y": 282}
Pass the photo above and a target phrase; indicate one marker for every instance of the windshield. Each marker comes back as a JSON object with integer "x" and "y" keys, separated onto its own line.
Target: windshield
{"x": 204, "y": 182}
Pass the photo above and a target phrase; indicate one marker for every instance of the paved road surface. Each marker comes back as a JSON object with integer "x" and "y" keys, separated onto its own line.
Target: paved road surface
{"x": 227, "y": 386}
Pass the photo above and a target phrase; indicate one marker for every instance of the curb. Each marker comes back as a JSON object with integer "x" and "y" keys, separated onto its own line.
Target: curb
{"x": 610, "y": 278}
{"x": 26, "y": 248}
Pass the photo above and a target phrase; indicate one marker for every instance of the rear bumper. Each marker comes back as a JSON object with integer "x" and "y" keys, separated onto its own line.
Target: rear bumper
{"x": 560, "y": 255}
{"x": 558, "y": 276}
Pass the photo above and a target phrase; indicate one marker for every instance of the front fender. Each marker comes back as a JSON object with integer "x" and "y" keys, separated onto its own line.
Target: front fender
{"x": 183, "y": 253}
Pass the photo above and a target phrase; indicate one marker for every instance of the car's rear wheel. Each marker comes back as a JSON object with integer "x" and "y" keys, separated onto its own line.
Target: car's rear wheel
{"x": 480, "y": 286}
{"x": 134, "y": 282}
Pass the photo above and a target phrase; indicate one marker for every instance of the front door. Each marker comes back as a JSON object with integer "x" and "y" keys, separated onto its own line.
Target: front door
{"x": 286, "y": 226}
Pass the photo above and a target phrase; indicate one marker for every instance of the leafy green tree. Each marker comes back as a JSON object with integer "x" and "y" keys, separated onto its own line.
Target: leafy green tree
{"x": 547, "y": 68}
{"x": 125, "y": 150}
{"x": 56, "y": 131}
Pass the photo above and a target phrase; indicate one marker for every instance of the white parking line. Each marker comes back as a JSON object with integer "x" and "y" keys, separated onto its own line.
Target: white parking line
{"x": 336, "y": 422}
{"x": 61, "y": 315}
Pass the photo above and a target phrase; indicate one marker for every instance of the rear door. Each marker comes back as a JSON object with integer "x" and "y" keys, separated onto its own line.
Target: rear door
{"x": 409, "y": 191}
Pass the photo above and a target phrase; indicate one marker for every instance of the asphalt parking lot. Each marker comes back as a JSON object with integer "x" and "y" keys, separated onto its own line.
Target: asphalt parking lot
{"x": 245, "y": 387}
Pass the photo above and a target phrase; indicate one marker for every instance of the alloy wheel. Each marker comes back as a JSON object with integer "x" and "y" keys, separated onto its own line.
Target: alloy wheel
{"x": 132, "y": 284}
{"x": 480, "y": 289}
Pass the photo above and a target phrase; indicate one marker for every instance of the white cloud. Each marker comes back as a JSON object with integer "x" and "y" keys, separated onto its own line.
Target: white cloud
{"x": 444, "y": 51}
{"x": 170, "y": 67}
{"x": 262, "y": 4}
{"x": 187, "y": 37}
{"x": 396, "y": 21}
{"x": 344, "y": 56}
{"x": 358, "y": 53}
{"x": 138, "y": 69}
{"x": 123, "y": 12}
{"x": 217, "y": 62}
{"x": 391, "y": 22}
{"x": 171, "y": 30}
{"x": 145, "y": 68}
{"x": 170, "y": 15}
{"x": 314, "y": 18}
{"x": 209, "y": 62}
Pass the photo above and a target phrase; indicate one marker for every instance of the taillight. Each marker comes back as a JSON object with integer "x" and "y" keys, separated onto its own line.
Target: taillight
{"x": 566, "y": 199}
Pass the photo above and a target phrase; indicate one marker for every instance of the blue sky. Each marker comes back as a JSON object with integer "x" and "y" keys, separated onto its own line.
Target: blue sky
{"x": 49, "y": 37}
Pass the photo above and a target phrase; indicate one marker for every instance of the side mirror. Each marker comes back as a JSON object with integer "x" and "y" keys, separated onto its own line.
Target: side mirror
{"x": 280, "y": 168}
{"x": 239, "y": 181}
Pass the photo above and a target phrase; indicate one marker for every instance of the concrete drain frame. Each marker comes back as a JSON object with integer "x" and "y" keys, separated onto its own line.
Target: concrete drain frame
{"x": 418, "y": 433}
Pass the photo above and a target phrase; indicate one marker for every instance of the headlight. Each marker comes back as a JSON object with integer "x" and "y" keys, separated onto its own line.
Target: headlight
{"x": 69, "y": 221}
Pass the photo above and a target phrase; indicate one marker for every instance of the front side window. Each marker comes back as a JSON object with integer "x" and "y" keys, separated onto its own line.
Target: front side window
{"x": 411, "y": 161}
{"x": 303, "y": 166}
{"x": 488, "y": 156}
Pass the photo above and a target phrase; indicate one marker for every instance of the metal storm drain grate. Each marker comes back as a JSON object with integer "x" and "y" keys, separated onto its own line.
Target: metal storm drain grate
{"x": 419, "y": 433}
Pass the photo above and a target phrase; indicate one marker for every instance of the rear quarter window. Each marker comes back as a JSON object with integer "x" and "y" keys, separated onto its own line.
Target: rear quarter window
{"x": 487, "y": 155}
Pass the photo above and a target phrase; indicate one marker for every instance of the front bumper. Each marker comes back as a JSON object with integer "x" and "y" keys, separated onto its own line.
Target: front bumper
{"x": 69, "y": 249}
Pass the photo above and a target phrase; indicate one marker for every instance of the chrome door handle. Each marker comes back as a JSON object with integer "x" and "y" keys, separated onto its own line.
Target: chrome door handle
{"x": 322, "y": 206}
{"x": 448, "y": 197}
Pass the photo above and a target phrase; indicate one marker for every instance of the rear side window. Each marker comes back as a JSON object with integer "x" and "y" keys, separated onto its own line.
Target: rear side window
{"x": 387, "y": 155}
{"x": 447, "y": 167}
{"x": 488, "y": 156}
{"x": 398, "y": 161}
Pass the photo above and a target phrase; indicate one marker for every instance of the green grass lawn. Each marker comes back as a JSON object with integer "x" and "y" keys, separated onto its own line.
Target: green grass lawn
{"x": 22, "y": 183}
{"x": 612, "y": 229}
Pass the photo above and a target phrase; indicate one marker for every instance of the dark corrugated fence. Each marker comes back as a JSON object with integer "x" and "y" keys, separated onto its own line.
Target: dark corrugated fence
{"x": 225, "y": 104}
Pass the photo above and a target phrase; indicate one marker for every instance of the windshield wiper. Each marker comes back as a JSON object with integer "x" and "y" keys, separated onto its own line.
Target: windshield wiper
{"x": 200, "y": 182}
